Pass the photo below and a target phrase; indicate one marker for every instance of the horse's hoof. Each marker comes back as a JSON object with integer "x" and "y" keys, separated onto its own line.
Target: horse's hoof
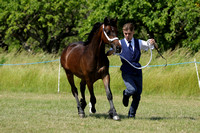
{"x": 93, "y": 110}
{"x": 82, "y": 115}
{"x": 116, "y": 118}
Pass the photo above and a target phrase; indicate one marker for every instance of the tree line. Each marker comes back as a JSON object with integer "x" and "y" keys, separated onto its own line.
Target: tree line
{"x": 50, "y": 25}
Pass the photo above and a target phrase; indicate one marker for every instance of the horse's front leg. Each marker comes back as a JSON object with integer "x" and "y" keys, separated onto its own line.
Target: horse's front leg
{"x": 82, "y": 88}
{"x": 112, "y": 112}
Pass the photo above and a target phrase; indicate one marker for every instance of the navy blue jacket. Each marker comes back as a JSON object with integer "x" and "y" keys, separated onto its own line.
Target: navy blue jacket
{"x": 134, "y": 58}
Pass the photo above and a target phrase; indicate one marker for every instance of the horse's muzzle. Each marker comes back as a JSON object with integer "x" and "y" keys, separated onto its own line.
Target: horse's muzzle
{"x": 118, "y": 49}
{"x": 116, "y": 45}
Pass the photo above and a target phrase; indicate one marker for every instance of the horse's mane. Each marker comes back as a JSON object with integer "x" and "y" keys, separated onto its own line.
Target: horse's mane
{"x": 91, "y": 34}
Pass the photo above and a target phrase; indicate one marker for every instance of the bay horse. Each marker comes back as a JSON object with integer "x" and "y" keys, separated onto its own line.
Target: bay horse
{"x": 88, "y": 61}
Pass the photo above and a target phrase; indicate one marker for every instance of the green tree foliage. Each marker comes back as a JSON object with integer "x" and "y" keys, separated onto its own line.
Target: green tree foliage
{"x": 48, "y": 24}
{"x": 43, "y": 23}
{"x": 171, "y": 22}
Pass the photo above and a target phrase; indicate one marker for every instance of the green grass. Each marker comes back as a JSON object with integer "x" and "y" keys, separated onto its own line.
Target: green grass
{"x": 41, "y": 78}
{"x": 29, "y": 101}
{"x": 179, "y": 80}
{"x": 31, "y": 112}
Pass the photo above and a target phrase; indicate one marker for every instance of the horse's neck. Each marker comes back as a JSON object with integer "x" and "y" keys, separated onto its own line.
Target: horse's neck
{"x": 96, "y": 50}
{"x": 96, "y": 46}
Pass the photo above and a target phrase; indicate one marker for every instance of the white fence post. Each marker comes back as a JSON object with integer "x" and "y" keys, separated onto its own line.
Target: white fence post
{"x": 197, "y": 72}
{"x": 59, "y": 78}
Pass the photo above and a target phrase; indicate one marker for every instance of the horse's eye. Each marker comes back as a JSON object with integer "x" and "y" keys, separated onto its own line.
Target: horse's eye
{"x": 108, "y": 33}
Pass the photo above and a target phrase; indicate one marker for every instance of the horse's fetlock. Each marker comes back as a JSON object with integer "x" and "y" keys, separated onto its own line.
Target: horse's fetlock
{"x": 83, "y": 103}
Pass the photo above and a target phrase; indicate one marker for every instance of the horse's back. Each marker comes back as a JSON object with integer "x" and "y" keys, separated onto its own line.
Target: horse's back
{"x": 71, "y": 55}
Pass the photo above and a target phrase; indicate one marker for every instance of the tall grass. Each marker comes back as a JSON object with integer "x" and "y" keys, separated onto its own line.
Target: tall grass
{"x": 180, "y": 80}
{"x": 29, "y": 78}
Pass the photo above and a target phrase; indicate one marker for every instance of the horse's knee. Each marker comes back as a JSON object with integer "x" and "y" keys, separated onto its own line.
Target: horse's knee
{"x": 82, "y": 83}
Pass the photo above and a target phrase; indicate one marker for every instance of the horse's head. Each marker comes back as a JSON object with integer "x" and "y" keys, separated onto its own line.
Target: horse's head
{"x": 109, "y": 34}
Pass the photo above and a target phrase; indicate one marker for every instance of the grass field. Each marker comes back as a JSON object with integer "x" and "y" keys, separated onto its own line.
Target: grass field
{"x": 30, "y": 112}
{"x": 29, "y": 101}
{"x": 177, "y": 80}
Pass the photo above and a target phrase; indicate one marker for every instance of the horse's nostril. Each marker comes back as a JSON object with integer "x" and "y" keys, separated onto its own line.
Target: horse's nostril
{"x": 118, "y": 49}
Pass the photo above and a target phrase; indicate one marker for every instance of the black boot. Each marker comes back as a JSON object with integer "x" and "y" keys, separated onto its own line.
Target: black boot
{"x": 125, "y": 99}
{"x": 131, "y": 115}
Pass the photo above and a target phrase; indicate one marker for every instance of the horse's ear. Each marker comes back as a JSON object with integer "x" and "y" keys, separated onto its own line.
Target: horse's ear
{"x": 114, "y": 22}
{"x": 106, "y": 21}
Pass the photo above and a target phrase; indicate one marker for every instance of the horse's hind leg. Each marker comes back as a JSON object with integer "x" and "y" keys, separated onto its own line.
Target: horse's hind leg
{"x": 82, "y": 88}
{"x": 75, "y": 93}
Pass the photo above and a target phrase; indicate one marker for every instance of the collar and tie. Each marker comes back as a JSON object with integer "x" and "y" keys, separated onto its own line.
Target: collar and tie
{"x": 129, "y": 42}
{"x": 130, "y": 47}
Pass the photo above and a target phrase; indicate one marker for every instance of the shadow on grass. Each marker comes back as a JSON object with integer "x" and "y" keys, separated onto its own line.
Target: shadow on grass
{"x": 154, "y": 118}
{"x": 167, "y": 118}
{"x": 105, "y": 116}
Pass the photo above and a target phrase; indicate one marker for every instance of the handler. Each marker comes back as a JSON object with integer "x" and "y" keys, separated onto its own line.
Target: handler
{"x": 132, "y": 77}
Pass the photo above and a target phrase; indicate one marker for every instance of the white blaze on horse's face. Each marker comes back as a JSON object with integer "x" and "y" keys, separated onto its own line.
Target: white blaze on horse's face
{"x": 111, "y": 40}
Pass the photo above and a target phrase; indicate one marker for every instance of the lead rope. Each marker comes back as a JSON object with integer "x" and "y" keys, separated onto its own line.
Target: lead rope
{"x": 141, "y": 66}
{"x": 161, "y": 55}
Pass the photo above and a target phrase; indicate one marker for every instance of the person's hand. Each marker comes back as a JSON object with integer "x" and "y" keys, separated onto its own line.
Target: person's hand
{"x": 153, "y": 42}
